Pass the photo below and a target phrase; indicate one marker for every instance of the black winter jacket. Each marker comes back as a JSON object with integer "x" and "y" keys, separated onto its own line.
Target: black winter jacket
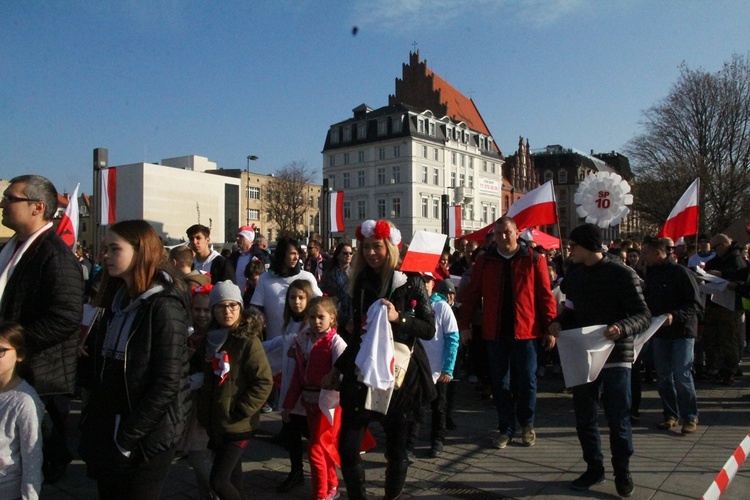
{"x": 45, "y": 295}
{"x": 152, "y": 395}
{"x": 671, "y": 289}
{"x": 418, "y": 388}
{"x": 732, "y": 268}
{"x": 607, "y": 293}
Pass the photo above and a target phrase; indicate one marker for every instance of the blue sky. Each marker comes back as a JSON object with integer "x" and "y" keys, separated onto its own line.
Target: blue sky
{"x": 158, "y": 79}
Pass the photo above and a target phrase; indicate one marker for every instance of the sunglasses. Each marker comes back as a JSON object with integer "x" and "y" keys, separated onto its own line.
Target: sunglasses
{"x": 347, "y": 253}
{"x": 9, "y": 198}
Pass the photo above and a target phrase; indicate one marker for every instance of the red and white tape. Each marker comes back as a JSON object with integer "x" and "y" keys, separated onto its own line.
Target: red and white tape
{"x": 727, "y": 473}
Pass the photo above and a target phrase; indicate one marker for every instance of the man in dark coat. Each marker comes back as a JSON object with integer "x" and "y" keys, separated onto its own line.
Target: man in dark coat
{"x": 602, "y": 291}
{"x": 41, "y": 288}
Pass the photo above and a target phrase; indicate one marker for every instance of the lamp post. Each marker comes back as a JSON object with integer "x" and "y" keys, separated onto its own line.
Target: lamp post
{"x": 247, "y": 189}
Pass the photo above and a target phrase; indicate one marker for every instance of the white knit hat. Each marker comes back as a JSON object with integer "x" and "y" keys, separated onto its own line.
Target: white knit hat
{"x": 224, "y": 291}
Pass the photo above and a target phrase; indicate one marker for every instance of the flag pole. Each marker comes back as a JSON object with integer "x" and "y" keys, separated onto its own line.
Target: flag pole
{"x": 557, "y": 214}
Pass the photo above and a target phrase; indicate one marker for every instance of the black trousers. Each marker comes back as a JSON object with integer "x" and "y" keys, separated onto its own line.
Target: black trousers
{"x": 139, "y": 480}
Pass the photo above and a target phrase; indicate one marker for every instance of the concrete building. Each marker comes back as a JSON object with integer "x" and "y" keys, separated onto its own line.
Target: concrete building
{"x": 397, "y": 161}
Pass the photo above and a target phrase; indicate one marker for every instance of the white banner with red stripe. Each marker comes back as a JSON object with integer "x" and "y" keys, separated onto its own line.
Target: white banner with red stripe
{"x": 424, "y": 252}
{"x": 109, "y": 196}
{"x": 68, "y": 227}
{"x": 337, "y": 212}
{"x": 683, "y": 220}
{"x": 536, "y": 208}
{"x": 454, "y": 221}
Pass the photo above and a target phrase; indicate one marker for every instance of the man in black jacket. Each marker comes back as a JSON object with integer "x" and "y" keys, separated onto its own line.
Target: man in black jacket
{"x": 601, "y": 291}
{"x": 41, "y": 288}
{"x": 671, "y": 290}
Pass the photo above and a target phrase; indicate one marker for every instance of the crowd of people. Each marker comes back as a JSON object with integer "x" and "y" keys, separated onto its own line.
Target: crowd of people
{"x": 186, "y": 348}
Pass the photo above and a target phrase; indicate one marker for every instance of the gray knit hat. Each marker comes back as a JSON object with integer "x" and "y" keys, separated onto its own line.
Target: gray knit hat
{"x": 224, "y": 290}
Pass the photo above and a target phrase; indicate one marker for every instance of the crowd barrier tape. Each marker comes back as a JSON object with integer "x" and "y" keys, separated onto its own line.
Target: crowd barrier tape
{"x": 727, "y": 473}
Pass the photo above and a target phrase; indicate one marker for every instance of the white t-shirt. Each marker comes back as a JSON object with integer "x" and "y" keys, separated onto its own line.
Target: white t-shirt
{"x": 205, "y": 266}
{"x": 445, "y": 322}
{"x": 270, "y": 294}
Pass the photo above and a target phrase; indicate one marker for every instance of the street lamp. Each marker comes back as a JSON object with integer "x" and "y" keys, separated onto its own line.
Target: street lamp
{"x": 247, "y": 189}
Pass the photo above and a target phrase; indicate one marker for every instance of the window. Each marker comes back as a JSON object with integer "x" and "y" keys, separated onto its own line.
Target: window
{"x": 360, "y": 156}
{"x": 253, "y": 193}
{"x": 453, "y": 179}
{"x": 381, "y": 208}
{"x": 493, "y": 168}
{"x": 361, "y": 131}
{"x": 436, "y": 176}
{"x": 420, "y": 126}
{"x": 381, "y": 176}
{"x": 347, "y": 210}
{"x": 397, "y": 151}
{"x": 462, "y": 180}
{"x": 253, "y": 214}
{"x": 425, "y": 208}
{"x": 471, "y": 182}
{"x": 346, "y": 158}
{"x": 396, "y": 175}
{"x": 334, "y": 136}
{"x": 463, "y": 160}
{"x": 436, "y": 155}
{"x": 432, "y": 129}
{"x": 396, "y": 212}
{"x": 471, "y": 162}
{"x": 424, "y": 151}
{"x": 548, "y": 175}
{"x": 562, "y": 176}
{"x": 484, "y": 166}
{"x": 485, "y": 213}
{"x": 448, "y": 133}
{"x": 347, "y": 134}
{"x": 332, "y": 160}
{"x": 347, "y": 180}
{"x": 361, "y": 209}
{"x": 361, "y": 178}
{"x": 436, "y": 208}
{"x": 453, "y": 157}
{"x": 381, "y": 153}
{"x": 382, "y": 127}
{"x": 332, "y": 181}
{"x": 424, "y": 175}
{"x": 398, "y": 123}
{"x": 494, "y": 213}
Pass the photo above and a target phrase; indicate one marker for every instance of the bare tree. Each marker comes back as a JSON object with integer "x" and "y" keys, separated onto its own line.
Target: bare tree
{"x": 286, "y": 201}
{"x": 701, "y": 129}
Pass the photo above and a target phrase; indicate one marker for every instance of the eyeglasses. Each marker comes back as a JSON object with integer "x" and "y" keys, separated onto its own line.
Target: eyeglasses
{"x": 3, "y": 350}
{"x": 232, "y": 306}
{"x": 9, "y": 198}
{"x": 347, "y": 253}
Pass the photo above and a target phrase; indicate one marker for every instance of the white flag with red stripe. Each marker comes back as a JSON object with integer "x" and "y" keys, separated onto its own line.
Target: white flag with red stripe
{"x": 68, "y": 227}
{"x": 109, "y": 196}
{"x": 337, "y": 212}
{"x": 424, "y": 252}
{"x": 683, "y": 220}
{"x": 454, "y": 221}
{"x": 535, "y": 208}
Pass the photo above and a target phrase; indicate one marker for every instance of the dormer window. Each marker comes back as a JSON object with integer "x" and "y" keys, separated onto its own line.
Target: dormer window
{"x": 334, "y": 136}
{"x": 382, "y": 127}
{"x": 398, "y": 123}
{"x": 420, "y": 126}
{"x": 361, "y": 131}
{"x": 347, "y": 134}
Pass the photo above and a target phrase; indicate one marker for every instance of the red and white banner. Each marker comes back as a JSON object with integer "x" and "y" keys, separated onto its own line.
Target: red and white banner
{"x": 683, "y": 219}
{"x": 424, "y": 252}
{"x": 68, "y": 227}
{"x": 337, "y": 212}
{"x": 719, "y": 486}
{"x": 109, "y": 196}
{"x": 535, "y": 208}
{"x": 454, "y": 221}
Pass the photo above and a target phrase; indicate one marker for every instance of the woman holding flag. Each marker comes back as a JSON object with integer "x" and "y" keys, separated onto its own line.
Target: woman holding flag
{"x": 407, "y": 313}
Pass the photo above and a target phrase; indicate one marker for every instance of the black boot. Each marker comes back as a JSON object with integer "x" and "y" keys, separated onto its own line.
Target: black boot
{"x": 395, "y": 477}
{"x": 354, "y": 478}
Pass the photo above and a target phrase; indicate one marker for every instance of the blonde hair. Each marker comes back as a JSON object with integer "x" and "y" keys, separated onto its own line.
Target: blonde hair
{"x": 328, "y": 306}
{"x": 359, "y": 263}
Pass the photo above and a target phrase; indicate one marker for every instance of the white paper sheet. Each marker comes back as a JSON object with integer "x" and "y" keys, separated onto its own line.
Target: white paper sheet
{"x": 583, "y": 352}
{"x": 642, "y": 338}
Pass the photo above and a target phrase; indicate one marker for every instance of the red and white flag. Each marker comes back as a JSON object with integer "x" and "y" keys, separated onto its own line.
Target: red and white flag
{"x": 337, "y": 212}
{"x": 454, "y": 221}
{"x": 683, "y": 219}
{"x": 424, "y": 252}
{"x": 109, "y": 196}
{"x": 535, "y": 208}
{"x": 68, "y": 227}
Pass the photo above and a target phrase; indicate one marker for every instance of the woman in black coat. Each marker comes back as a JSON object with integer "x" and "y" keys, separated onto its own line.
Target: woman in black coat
{"x": 375, "y": 278}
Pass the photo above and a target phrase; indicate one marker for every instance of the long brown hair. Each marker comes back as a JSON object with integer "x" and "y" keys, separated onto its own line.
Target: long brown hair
{"x": 148, "y": 259}
{"x": 305, "y": 287}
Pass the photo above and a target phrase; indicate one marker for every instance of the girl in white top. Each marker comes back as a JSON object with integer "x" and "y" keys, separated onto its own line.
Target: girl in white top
{"x": 21, "y": 413}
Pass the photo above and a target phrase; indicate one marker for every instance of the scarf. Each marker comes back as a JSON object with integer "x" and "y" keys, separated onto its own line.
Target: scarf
{"x": 12, "y": 253}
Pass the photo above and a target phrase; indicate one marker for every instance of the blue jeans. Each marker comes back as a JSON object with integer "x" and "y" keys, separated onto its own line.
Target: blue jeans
{"x": 614, "y": 386}
{"x": 513, "y": 381}
{"x": 674, "y": 360}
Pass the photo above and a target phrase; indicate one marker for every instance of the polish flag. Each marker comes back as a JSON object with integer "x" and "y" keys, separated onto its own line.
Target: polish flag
{"x": 535, "y": 208}
{"x": 337, "y": 212}
{"x": 68, "y": 227}
{"x": 424, "y": 252}
{"x": 454, "y": 221}
{"x": 683, "y": 219}
{"x": 109, "y": 196}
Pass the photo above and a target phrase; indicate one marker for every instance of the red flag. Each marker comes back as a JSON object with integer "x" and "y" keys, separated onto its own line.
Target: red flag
{"x": 337, "y": 212}
{"x": 535, "y": 208}
{"x": 683, "y": 219}
{"x": 109, "y": 196}
{"x": 68, "y": 227}
{"x": 454, "y": 221}
{"x": 424, "y": 252}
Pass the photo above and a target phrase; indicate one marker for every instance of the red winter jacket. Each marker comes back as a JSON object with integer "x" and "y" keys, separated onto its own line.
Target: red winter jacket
{"x": 532, "y": 294}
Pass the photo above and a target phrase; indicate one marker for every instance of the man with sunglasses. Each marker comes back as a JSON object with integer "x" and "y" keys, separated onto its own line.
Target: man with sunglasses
{"x": 41, "y": 287}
